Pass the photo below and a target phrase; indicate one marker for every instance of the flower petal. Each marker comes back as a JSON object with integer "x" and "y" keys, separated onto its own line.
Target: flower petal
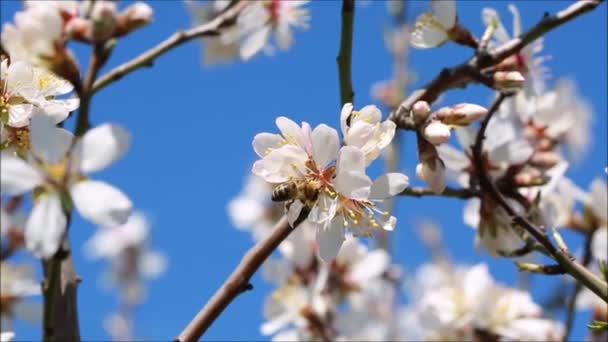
{"x": 101, "y": 203}
{"x": 254, "y": 42}
{"x": 371, "y": 266}
{"x": 388, "y": 185}
{"x": 344, "y": 115}
{"x": 281, "y": 164}
{"x": 264, "y": 143}
{"x": 17, "y": 176}
{"x": 330, "y": 238}
{"x": 45, "y": 227}
{"x": 445, "y": 12}
{"x": 100, "y": 147}
{"x": 353, "y": 184}
{"x": 325, "y": 145}
{"x": 49, "y": 142}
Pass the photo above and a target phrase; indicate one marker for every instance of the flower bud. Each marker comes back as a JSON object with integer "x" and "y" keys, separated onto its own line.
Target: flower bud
{"x": 436, "y": 132}
{"x": 508, "y": 80}
{"x": 421, "y": 110}
{"x": 133, "y": 17}
{"x": 462, "y": 114}
{"x": 79, "y": 29}
{"x": 432, "y": 171}
{"x": 103, "y": 17}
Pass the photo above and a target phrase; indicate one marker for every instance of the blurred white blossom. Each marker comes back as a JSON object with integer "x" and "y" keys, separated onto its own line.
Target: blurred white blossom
{"x": 55, "y": 168}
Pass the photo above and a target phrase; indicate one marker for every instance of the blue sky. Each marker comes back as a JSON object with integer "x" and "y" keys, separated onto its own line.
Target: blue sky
{"x": 191, "y": 151}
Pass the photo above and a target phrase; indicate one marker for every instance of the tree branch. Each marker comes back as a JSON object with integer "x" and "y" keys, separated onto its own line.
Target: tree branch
{"x": 563, "y": 257}
{"x": 345, "y": 52}
{"x": 60, "y": 314}
{"x": 147, "y": 58}
{"x": 469, "y": 71}
{"x": 448, "y": 192}
{"x": 238, "y": 281}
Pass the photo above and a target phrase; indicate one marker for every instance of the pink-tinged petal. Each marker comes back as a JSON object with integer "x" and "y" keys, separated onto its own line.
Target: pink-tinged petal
{"x": 45, "y": 227}
{"x": 344, "y": 115}
{"x": 325, "y": 145}
{"x": 436, "y": 133}
{"x": 388, "y": 185}
{"x": 330, "y": 238}
{"x": 49, "y": 142}
{"x": 17, "y": 176}
{"x": 100, "y": 147}
{"x": 264, "y": 143}
{"x": 101, "y": 203}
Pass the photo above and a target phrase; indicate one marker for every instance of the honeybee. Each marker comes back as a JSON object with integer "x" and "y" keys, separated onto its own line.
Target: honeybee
{"x": 304, "y": 190}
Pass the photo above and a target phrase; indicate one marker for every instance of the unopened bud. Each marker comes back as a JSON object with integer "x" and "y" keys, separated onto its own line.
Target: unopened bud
{"x": 133, "y": 17}
{"x": 436, "y": 132}
{"x": 421, "y": 110}
{"x": 79, "y": 29}
{"x": 508, "y": 80}
{"x": 462, "y": 114}
{"x": 103, "y": 17}
{"x": 432, "y": 171}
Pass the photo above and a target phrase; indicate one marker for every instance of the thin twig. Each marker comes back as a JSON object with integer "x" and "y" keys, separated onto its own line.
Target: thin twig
{"x": 563, "y": 258}
{"x": 448, "y": 192}
{"x": 238, "y": 281}
{"x": 147, "y": 58}
{"x": 571, "y": 306}
{"x": 469, "y": 71}
{"x": 345, "y": 52}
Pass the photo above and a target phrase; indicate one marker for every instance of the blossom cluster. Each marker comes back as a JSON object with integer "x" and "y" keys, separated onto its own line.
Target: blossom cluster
{"x": 41, "y": 159}
{"x": 329, "y": 179}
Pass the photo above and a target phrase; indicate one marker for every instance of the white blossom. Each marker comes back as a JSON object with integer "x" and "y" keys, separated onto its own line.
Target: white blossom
{"x": 26, "y": 90}
{"x": 34, "y": 36}
{"x": 58, "y": 170}
{"x": 364, "y": 130}
{"x": 216, "y": 49}
{"x": 260, "y": 19}
{"x": 126, "y": 247}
